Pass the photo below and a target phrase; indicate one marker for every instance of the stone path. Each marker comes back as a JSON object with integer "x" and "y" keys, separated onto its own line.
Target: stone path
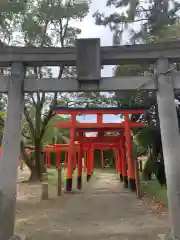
{"x": 105, "y": 211}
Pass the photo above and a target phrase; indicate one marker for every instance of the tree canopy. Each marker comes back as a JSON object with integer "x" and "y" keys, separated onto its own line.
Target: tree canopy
{"x": 141, "y": 18}
{"x": 148, "y": 21}
{"x": 41, "y": 23}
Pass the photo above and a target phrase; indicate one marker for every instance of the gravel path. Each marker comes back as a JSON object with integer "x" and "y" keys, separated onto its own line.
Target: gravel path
{"x": 104, "y": 211}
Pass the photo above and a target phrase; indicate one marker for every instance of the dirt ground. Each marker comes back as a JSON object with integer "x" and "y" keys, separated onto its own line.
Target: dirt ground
{"x": 103, "y": 210}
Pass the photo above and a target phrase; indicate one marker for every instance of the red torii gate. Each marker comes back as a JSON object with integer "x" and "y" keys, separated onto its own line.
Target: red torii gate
{"x": 77, "y": 131}
{"x": 59, "y": 148}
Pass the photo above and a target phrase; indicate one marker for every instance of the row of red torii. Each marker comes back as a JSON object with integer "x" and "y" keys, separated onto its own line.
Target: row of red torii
{"x": 80, "y": 143}
{"x": 121, "y": 145}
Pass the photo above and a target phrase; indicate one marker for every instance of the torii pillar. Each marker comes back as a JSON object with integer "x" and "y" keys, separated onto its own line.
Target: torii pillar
{"x": 124, "y": 164}
{"x": 170, "y": 142}
{"x": 71, "y": 155}
{"x": 131, "y": 167}
{"x": 11, "y": 152}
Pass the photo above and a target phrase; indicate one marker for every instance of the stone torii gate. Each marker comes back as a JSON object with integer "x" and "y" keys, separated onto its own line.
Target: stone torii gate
{"x": 88, "y": 56}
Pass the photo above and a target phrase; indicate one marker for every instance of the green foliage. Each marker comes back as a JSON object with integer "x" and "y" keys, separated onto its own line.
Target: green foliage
{"x": 45, "y": 23}
{"x": 138, "y": 150}
{"x": 2, "y": 119}
{"x": 53, "y": 158}
{"x": 148, "y": 138}
{"x": 41, "y": 23}
{"x": 153, "y": 189}
{"x": 108, "y": 156}
{"x": 130, "y": 70}
{"x": 49, "y": 24}
{"x": 53, "y": 134}
{"x": 108, "y": 159}
{"x": 145, "y": 137}
{"x": 148, "y": 170}
{"x": 10, "y": 14}
{"x": 86, "y": 99}
{"x": 152, "y": 15}
{"x": 137, "y": 97}
{"x": 168, "y": 33}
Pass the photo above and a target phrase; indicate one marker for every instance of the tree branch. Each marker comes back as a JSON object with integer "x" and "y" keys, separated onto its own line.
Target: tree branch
{"x": 42, "y": 100}
{"x": 1, "y": 122}
{"x": 38, "y": 71}
{"x": 25, "y": 136}
{"x": 32, "y": 98}
{"x": 49, "y": 115}
{"x": 30, "y": 123}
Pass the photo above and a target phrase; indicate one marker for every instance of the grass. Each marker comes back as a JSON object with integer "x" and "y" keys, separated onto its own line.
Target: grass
{"x": 53, "y": 176}
{"x": 153, "y": 189}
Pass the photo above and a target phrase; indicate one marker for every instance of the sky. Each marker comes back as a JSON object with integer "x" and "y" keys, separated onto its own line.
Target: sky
{"x": 90, "y": 30}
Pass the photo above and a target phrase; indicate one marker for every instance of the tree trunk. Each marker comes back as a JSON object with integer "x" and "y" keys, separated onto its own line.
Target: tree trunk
{"x": 34, "y": 177}
{"x": 44, "y": 168}
{"x": 38, "y": 161}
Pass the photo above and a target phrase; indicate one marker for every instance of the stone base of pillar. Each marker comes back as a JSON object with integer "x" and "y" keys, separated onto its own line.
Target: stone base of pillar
{"x": 69, "y": 184}
{"x": 44, "y": 193}
{"x": 88, "y": 177}
{"x": 132, "y": 184}
{"x": 125, "y": 182}
{"x": 79, "y": 182}
{"x": 121, "y": 177}
{"x": 18, "y": 237}
{"x": 166, "y": 237}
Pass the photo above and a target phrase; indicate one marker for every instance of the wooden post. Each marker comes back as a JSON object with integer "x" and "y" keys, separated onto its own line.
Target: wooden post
{"x": 138, "y": 186}
{"x": 131, "y": 172}
{"x": 140, "y": 166}
{"x": 59, "y": 180}
{"x": 58, "y": 155}
{"x": 11, "y": 152}
{"x": 117, "y": 161}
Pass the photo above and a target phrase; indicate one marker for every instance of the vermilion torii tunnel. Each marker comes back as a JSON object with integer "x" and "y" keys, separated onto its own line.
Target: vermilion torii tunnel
{"x": 121, "y": 144}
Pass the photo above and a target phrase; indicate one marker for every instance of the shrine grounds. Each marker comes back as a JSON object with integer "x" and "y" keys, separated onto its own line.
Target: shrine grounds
{"x": 102, "y": 210}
